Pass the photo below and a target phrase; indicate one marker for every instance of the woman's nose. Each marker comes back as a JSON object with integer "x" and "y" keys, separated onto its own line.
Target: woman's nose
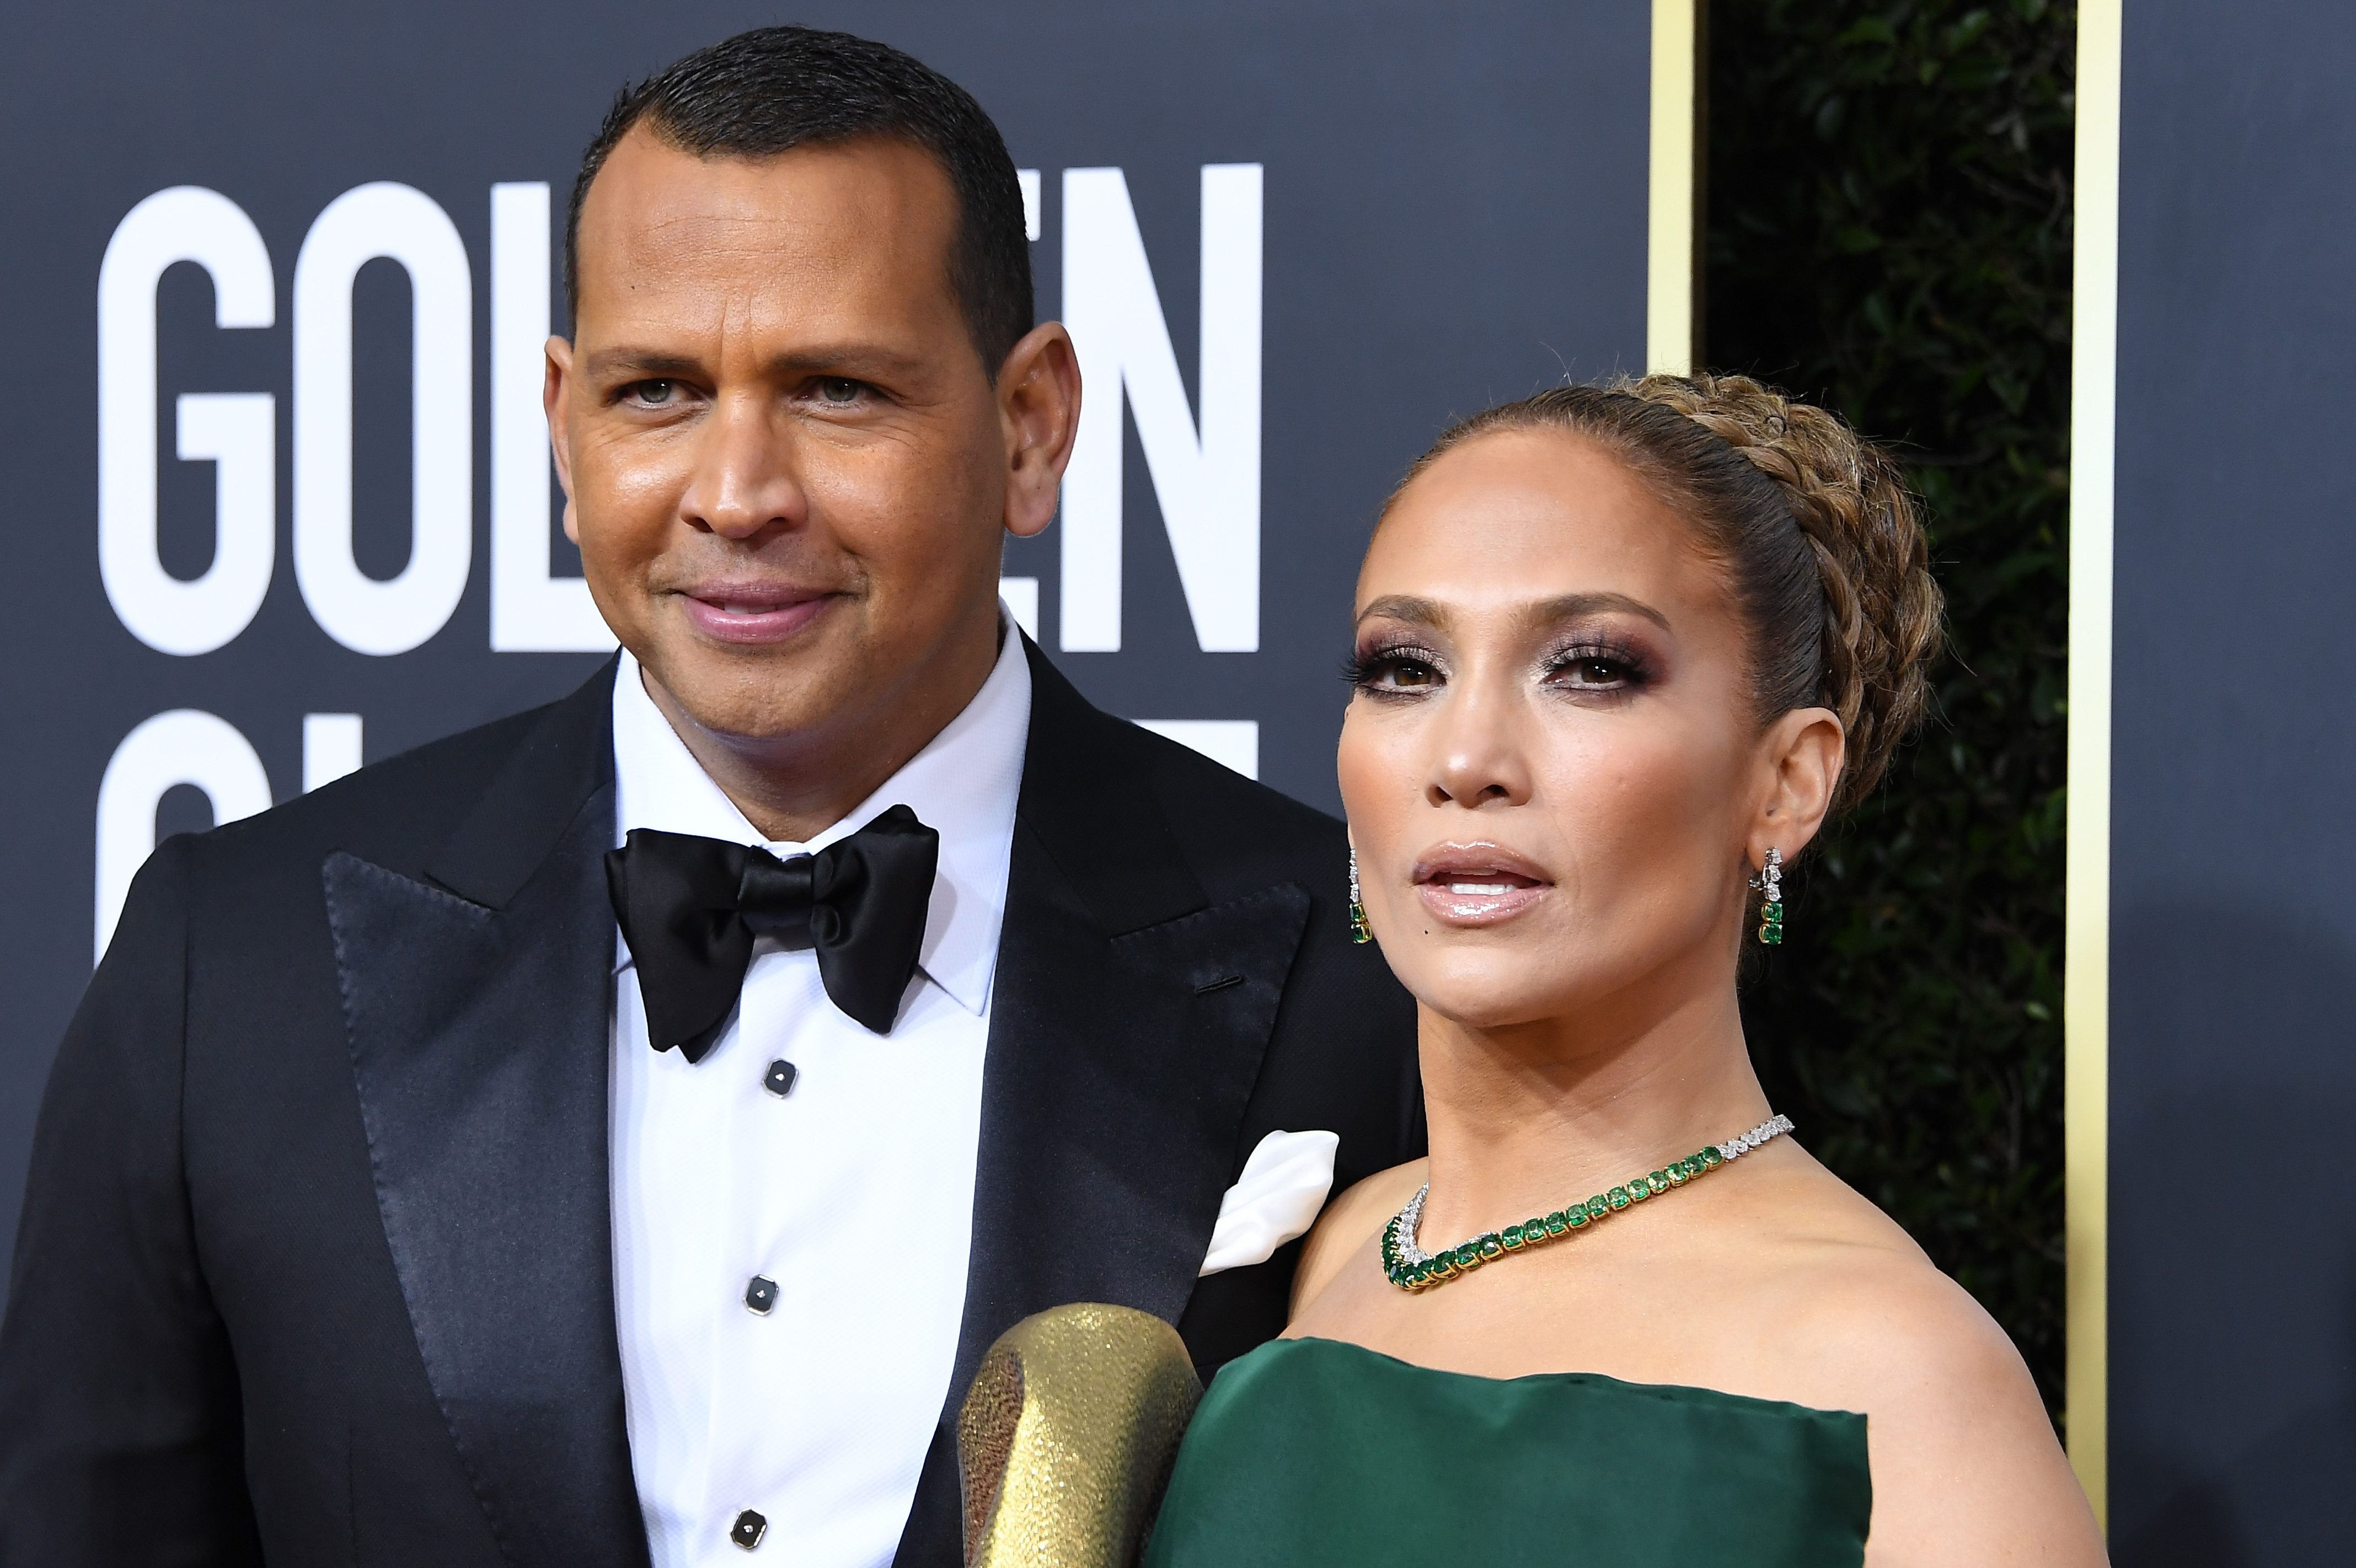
{"x": 1478, "y": 758}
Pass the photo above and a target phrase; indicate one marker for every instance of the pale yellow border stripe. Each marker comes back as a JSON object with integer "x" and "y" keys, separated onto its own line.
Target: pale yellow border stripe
{"x": 1669, "y": 252}
{"x": 2086, "y": 956}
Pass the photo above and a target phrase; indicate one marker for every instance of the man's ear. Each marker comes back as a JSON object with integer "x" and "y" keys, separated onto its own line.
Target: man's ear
{"x": 1801, "y": 755}
{"x": 552, "y": 392}
{"x": 1039, "y": 413}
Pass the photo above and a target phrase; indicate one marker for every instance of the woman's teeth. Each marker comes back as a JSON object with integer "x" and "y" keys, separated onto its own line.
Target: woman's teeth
{"x": 1492, "y": 887}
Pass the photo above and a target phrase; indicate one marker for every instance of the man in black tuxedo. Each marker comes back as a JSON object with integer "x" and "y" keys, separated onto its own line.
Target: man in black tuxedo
{"x": 386, "y": 1209}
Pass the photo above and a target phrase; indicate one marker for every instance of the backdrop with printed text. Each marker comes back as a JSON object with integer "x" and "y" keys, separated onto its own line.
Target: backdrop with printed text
{"x": 279, "y": 497}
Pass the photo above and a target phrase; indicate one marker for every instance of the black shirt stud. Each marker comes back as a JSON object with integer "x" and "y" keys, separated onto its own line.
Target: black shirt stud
{"x": 748, "y": 1530}
{"x": 780, "y": 1078}
{"x": 759, "y": 1296}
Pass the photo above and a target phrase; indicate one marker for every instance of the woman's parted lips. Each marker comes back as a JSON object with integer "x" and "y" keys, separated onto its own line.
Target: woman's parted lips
{"x": 1478, "y": 869}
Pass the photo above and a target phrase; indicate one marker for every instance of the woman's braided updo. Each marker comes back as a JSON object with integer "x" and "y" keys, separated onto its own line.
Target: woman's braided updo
{"x": 1822, "y": 544}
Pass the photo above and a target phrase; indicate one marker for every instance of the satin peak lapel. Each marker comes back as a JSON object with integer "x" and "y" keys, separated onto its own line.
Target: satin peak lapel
{"x": 1120, "y": 1068}
{"x": 478, "y": 1039}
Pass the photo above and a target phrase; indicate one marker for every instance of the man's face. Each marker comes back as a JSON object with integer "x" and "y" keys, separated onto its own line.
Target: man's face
{"x": 784, "y": 463}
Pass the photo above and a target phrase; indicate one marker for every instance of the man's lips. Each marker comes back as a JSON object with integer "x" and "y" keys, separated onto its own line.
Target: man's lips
{"x": 751, "y": 613}
{"x": 1477, "y": 884}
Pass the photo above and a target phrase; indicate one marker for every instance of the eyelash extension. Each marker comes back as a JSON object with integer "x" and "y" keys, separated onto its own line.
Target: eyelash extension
{"x": 1635, "y": 672}
{"x": 1359, "y": 670}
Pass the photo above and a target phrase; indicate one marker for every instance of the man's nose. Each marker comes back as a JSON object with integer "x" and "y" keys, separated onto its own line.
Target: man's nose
{"x": 745, "y": 479}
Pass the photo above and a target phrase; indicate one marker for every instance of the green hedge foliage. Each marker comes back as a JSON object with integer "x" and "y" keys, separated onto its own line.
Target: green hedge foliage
{"x": 1889, "y": 206}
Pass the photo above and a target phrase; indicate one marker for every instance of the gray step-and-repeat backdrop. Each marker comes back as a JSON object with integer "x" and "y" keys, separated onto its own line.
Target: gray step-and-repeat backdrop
{"x": 2233, "y": 842}
{"x": 278, "y": 492}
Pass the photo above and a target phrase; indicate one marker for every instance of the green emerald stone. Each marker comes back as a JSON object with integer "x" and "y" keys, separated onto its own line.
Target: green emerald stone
{"x": 1679, "y": 1175}
{"x": 1468, "y": 1256}
{"x": 1490, "y": 1247}
{"x": 1557, "y": 1224}
{"x": 1513, "y": 1239}
{"x": 1618, "y": 1198}
{"x": 1601, "y": 1205}
{"x": 1658, "y": 1181}
{"x": 1576, "y": 1217}
{"x": 1638, "y": 1191}
{"x": 1712, "y": 1160}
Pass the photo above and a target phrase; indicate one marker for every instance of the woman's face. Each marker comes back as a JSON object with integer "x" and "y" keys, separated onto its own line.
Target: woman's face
{"x": 1555, "y": 776}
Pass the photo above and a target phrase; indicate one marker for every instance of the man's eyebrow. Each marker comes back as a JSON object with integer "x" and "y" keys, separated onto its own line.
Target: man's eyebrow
{"x": 853, "y": 359}
{"x": 639, "y": 362}
{"x": 856, "y": 360}
{"x": 1570, "y": 606}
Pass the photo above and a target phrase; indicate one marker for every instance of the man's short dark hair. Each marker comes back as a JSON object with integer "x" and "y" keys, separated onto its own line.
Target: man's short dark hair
{"x": 774, "y": 89}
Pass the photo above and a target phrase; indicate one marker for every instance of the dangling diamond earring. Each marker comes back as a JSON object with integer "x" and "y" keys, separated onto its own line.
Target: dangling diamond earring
{"x": 1359, "y": 930}
{"x": 1768, "y": 883}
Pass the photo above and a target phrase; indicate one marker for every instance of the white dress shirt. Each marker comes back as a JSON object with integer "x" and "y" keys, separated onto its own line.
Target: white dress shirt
{"x": 852, "y": 1192}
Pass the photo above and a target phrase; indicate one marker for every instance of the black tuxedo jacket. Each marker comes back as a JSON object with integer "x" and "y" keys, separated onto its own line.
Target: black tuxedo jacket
{"x": 315, "y": 1262}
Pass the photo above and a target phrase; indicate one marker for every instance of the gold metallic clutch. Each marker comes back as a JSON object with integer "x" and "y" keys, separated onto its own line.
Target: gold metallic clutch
{"x": 1066, "y": 1437}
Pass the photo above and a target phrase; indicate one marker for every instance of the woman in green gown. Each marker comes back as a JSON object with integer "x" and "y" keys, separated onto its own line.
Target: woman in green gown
{"x": 1619, "y": 654}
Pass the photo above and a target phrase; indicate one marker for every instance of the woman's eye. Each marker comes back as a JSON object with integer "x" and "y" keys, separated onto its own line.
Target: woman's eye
{"x": 1408, "y": 674}
{"x": 1395, "y": 672}
{"x": 1592, "y": 672}
{"x": 838, "y": 390}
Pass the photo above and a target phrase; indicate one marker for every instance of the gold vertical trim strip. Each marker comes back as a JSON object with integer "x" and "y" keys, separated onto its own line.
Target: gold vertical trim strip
{"x": 2086, "y": 948}
{"x": 1670, "y": 242}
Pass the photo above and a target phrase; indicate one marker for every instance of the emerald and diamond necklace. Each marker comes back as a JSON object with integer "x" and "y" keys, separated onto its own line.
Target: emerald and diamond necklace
{"x": 1410, "y": 1268}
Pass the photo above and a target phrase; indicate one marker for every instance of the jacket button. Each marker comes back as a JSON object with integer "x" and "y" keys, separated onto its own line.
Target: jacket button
{"x": 748, "y": 1530}
{"x": 759, "y": 1296}
{"x": 780, "y": 1078}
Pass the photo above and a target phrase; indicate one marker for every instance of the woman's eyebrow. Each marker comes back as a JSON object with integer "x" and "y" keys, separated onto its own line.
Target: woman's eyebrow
{"x": 1570, "y": 606}
{"x": 1406, "y": 607}
{"x": 1420, "y": 611}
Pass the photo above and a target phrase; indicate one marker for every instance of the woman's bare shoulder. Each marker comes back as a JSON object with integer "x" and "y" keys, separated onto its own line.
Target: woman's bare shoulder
{"x": 1349, "y": 1223}
{"x": 1965, "y": 1466}
{"x": 1848, "y": 1291}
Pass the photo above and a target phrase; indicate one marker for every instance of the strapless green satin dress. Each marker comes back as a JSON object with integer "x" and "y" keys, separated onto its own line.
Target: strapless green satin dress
{"x": 1314, "y": 1454}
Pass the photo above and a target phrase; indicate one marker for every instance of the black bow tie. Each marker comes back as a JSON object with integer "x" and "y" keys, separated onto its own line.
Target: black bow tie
{"x": 691, "y": 908}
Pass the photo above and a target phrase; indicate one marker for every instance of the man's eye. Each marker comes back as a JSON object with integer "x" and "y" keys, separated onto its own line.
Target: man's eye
{"x": 839, "y": 390}
{"x": 655, "y": 394}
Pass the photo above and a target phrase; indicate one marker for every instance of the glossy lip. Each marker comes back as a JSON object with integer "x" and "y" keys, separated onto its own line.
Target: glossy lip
{"x": 1515, "y": 884}
{"x": 752, "y": 612}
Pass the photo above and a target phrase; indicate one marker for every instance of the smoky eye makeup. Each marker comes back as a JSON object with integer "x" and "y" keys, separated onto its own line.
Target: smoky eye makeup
{"x": 1393, "y": 666}
{"x": 1596, "y": 661}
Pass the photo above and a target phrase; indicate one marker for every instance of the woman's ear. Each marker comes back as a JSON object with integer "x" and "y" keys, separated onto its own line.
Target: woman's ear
{"x": 1801, "y": 756}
